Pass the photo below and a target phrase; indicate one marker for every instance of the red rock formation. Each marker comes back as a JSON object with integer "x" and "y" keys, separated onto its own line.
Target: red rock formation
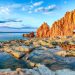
{"x": 29, "y": 35}
{"x": 43, "y": 30}
{"x": 63, "y": 27}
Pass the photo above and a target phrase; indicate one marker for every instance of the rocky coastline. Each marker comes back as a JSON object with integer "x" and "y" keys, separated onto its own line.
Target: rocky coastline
{"x": 41, "y": 51}
{"x": 49, "y": 52}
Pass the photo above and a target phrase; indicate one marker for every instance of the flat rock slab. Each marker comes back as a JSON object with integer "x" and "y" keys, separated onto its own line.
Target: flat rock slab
{"x": 42, "y": 56}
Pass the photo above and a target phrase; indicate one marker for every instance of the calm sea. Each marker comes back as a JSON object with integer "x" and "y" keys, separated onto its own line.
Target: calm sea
{"x": 5, "y": 36}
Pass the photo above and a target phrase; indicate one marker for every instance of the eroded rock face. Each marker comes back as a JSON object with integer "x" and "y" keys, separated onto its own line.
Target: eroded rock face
{"x": 43, "y": 30}
{"x": 63, "y": 27}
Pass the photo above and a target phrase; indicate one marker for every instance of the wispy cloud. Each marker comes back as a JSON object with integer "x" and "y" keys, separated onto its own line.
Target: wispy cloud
{"x": 8, "y": 11}
{"x": 38, "y": 3}
{"x": 4, "y": 10}
{"x": 11, "y": 24}
{"x": 39, "y": 9}
{"x": 46, "y": 9}
{"x": 30, "y": 8}
{"x": 10, "y": 20}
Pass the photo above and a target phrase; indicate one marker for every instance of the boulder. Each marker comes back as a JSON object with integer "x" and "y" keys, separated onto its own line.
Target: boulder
{"x": 61, "y": 53}
{"x": 29, "y": 35}
{"x": 15, "y": 53}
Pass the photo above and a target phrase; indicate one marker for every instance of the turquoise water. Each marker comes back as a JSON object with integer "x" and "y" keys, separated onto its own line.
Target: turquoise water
{"x": 11, "y": 36}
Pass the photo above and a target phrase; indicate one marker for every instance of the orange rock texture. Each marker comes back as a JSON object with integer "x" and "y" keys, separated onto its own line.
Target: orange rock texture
{"x": 29, "y": 35}
{"x": 63, "y": 27}
{"x": 43, "y": 30}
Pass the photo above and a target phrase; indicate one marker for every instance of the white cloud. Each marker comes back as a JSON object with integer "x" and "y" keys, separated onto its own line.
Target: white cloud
{"x": 11, "y": 24}
{"x": 34, "y": 7}
{"x": 50, "y": 7}
{"x": 38, "y": 3}
{"x": 26, "y": 8}
{"x": 29, "y": 8}
{"x": 45, "y": 9}
{"x": 39, "y": 9}
{"x": 4, "y": 11}
{"x": 7, "y": 9}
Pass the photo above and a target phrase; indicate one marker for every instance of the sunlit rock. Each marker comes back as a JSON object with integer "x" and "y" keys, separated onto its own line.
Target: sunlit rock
{"x": 63, "y": 27}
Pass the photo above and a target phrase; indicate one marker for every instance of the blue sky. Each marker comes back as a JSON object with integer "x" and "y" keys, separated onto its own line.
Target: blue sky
{"x": 19, "y": 13}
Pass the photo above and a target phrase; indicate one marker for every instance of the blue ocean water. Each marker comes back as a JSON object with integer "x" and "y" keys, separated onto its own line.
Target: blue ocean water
{"x": 12, "y": 36}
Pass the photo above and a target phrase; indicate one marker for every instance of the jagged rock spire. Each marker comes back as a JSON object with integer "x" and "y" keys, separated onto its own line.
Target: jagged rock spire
{"x": 62, "y": 27}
